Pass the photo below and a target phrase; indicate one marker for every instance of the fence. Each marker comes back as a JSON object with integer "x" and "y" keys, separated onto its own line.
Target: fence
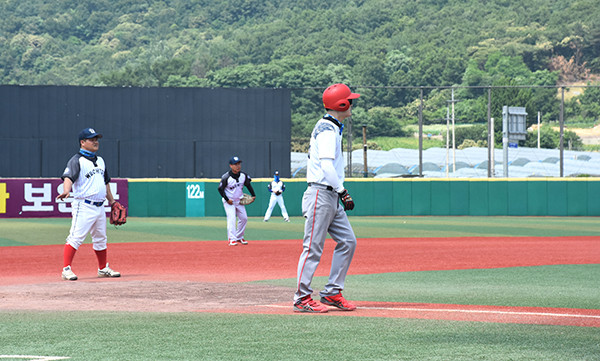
{"x": 373, "y": 197}
{"x": 443, "y": 120}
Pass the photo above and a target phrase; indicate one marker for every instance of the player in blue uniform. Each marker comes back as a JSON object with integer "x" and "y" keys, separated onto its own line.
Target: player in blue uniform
{"x": 276, "y": 188}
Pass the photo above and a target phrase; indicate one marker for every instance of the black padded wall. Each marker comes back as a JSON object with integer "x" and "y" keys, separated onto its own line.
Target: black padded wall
{"x": 148, "y": 132}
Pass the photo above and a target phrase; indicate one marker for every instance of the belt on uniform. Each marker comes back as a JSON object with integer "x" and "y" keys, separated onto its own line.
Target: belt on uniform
{"x": 97, "y": 204}
{"x": 319, "y": 185}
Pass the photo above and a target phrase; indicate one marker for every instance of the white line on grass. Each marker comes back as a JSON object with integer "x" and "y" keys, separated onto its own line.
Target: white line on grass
{"x": 35, "y": 358}
{"x": 516, "y": 313}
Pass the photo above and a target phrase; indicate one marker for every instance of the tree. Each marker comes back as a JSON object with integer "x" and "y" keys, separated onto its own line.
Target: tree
{"x": 476, "y": 133}
{"x": 380, "y": 121}
{"x": 162, "y": 70}
{"x": 550, "y": 139}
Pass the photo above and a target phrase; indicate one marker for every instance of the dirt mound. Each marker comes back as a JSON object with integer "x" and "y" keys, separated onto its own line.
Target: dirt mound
{"x": 143, "y": 296}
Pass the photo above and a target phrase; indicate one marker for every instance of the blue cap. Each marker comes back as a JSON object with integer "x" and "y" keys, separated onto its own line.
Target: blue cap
{"x": 235, "y": 160}
{"x": 88, "y": 133}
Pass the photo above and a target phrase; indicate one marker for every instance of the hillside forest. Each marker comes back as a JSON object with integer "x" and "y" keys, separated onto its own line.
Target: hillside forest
{"x": 388, "y": 50}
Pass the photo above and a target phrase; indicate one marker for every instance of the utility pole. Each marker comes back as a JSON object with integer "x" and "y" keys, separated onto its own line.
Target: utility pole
{"x": 539, "y": 127}
{"x": 365, "y": 171}
{"x": 453, "y": 133}
{"x": 447, "y": 140}
{"x": 492, "y": 147}
{"x": 349, "y": 148}
{"x": 490, "y": 135}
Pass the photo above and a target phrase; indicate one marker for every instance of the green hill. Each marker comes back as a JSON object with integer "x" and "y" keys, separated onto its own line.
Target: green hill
{"x": 305, "y": 43}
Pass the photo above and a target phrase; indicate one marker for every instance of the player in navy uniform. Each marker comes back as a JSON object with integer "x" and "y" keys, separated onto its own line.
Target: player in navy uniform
{"x": 86, "y": 175}
{"x": 231, "y": 189}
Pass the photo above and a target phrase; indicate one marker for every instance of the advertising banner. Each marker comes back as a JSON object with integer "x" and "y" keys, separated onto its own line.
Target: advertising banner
{"x": 36, "y": 197}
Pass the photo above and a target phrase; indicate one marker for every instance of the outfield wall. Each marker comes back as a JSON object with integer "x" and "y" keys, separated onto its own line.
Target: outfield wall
{"x": 383, "y": 197}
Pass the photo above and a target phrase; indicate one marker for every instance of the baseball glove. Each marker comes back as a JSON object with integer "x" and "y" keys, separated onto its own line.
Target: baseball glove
{"x": 346, "y": 200}
{"x": 277, "y": 193}
{"x": 246, "y": 199}
{"x": 118, "y": 214}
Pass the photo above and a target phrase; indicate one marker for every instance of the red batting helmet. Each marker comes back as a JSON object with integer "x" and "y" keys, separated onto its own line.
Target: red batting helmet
{"x": 337, "y": 96}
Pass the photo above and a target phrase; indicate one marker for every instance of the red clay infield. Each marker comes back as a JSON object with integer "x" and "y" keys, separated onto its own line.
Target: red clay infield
{"x": 34, "y": 272}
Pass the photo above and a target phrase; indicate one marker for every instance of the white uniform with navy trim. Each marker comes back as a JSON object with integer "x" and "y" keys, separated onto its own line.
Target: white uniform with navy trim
{"x": 324, "y": 213}
{"x": 89, "y": 178}
{"x": 232, "y": 186}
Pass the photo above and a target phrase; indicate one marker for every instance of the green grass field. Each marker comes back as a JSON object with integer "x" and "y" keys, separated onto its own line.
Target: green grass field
{"x": 214, "y": 336}
{"x": 42, "y": 231}
{"x": 142, "y": 336}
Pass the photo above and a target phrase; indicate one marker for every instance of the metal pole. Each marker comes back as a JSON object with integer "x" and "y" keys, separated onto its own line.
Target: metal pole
{"x": 447, "y": 140}
{"x": 490, "y": 133}
{"x": 539, "y": 125}
{"x": 453, "y": 137}
{"x": 505, "y": 140}
{"x": 349, "y": 148}
{"x": 421, "y": 135}
{"x": 365, "y": 172}
{"x": 493, "y": 146}
{"x": 562, "y": 130}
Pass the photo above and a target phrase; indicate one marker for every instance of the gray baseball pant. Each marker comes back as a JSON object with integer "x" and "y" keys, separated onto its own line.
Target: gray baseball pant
{"x": 324, "y": 213}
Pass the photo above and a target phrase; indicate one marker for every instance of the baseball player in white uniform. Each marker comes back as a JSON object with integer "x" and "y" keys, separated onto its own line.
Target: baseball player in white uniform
{"x": 276, "y": 187}
{"x": 321, "y": 207}
{"x": 231, "y": 189}
{"x": 87, "y": 177}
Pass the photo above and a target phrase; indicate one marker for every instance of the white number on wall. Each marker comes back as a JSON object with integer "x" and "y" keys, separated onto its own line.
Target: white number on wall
{"x": 194, "y": 192}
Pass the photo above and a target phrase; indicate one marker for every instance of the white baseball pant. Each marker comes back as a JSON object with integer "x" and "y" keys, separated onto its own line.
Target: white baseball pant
{"x": 276, "y": 199}
{"x": 87, "y": 218}
{"x": 236, "y": 220}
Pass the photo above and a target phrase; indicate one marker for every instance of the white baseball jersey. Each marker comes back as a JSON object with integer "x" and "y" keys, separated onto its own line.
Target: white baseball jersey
{"x": 325, "y": 142}
{"x": 276, "y": 186}
{"x": 89, "y": 177}
{"x": 232, "y": 185}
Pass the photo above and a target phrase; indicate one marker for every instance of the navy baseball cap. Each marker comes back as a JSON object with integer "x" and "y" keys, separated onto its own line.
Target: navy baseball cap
{"x": 235, "y": 160}
{"x": 88, "y": 133}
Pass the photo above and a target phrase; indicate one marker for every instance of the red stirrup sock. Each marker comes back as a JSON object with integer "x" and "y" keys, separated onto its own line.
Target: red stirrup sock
{"x": 68, "y": 254}
{"x": 101, "y": 258}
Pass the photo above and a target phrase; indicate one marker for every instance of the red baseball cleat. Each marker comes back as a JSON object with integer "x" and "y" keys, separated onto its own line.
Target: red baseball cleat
{"x": 307, "y": 304}
{"x": 338, "y": 301}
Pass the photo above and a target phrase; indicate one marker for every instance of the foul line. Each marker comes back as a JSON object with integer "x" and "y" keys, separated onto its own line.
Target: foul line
{"x": 35, "y": 358}
{"x": 516, "y": 313}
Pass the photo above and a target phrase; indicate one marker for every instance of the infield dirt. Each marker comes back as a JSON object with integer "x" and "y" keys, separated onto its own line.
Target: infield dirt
{"x": 210, "y": 276}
